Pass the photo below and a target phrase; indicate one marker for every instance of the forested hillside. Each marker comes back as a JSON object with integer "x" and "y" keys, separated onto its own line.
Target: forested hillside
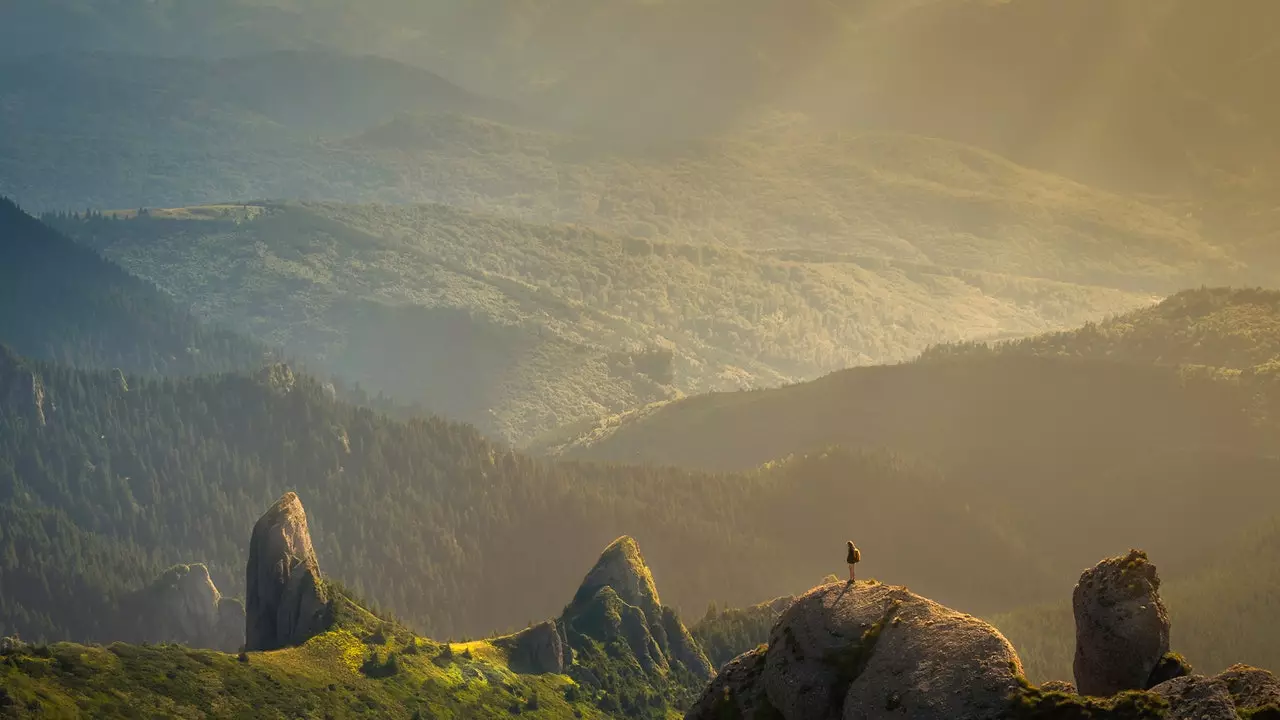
{"x": 1226, "y": 329}
{"x": 612, "y": 653}
{"x": 60, "y": 301}
{"x": 521, "y": 328}
{"x": 106, "y": 485}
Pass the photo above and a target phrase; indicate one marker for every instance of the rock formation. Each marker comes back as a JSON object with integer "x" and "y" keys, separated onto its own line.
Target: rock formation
{"x": 117, "y": 376}
{"x": 286, "y": 601}
{"x": 184, "y": 606}
{"x": 1122, "y": 627}
{"x": 21, "y": 388}
{"x": 737, "y": 692}
{"x": 869, "y": 651}
{"x": 622, "y": 568}
{"x": 872, "y": 651}
{"x": 618, "y": 603}
{"x": 540, "y": 649}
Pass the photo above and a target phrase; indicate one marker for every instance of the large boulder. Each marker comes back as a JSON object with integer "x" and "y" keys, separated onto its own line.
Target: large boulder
{"x": 1195, "y": 697}
{"x": 736, "y": 692}
{"x": 1122, "y": 627}
{"x": 285, "y": 600}
{"x": 876, "y": 651}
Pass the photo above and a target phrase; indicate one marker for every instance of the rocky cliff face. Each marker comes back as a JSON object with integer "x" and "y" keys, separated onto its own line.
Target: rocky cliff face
{"x": 540, "y": 649}
{"x": 184, "y": 606}
{"x": 286, "y": 601}
{"x": 1122, "y": 627}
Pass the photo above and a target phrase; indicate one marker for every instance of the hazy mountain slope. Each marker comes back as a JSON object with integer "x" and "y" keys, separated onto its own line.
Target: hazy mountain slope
{"x": 522, "y": 328}
{"x": 1156, "y": 94}
{"x": 62, "y": 301}
{"x": 112, "y": 130}
{"x": 1224, "y": 611}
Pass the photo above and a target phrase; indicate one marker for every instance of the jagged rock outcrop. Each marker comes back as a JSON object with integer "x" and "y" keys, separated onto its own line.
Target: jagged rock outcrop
{"x": 1122, "y": 627}
{"x": 1195, "y": 697}
{"x": 618, "y": 602}
{"x": 871, "y": 651}
{"x": 184, "y": 606}
{"x": 540, "y": 649}
{"x": 285, "y": 601}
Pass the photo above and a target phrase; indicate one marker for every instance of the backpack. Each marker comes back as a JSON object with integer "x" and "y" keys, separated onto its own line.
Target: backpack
{"x": 857, "y": 554}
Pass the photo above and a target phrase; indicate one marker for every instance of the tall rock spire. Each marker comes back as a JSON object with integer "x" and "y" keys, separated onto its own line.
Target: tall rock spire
{"x": 285, "y": 602}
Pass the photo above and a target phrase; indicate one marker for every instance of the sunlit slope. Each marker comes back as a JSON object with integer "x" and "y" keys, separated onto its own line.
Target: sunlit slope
{"x": 787, "y": 183}
{"x": 1229, "y": 329}
{"x": 522, "y": 328}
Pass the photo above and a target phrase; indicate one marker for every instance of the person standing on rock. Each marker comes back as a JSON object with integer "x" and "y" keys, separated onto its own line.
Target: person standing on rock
{"x": 853, "y": 557}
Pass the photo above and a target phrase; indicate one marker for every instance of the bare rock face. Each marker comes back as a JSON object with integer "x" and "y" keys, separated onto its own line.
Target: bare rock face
{"x": 1122, "y": 627}
{"x": 285, "y": 600}
{"x": 736, "y": 692}
{"x": 622, "y": 568}
{"x": 1251, "y": 688}
{"x": 1195, "y": 697}
{"x": 1060, "y": 686}
{"x": 538, "y": 650}
{"x": 876, "y": 651}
